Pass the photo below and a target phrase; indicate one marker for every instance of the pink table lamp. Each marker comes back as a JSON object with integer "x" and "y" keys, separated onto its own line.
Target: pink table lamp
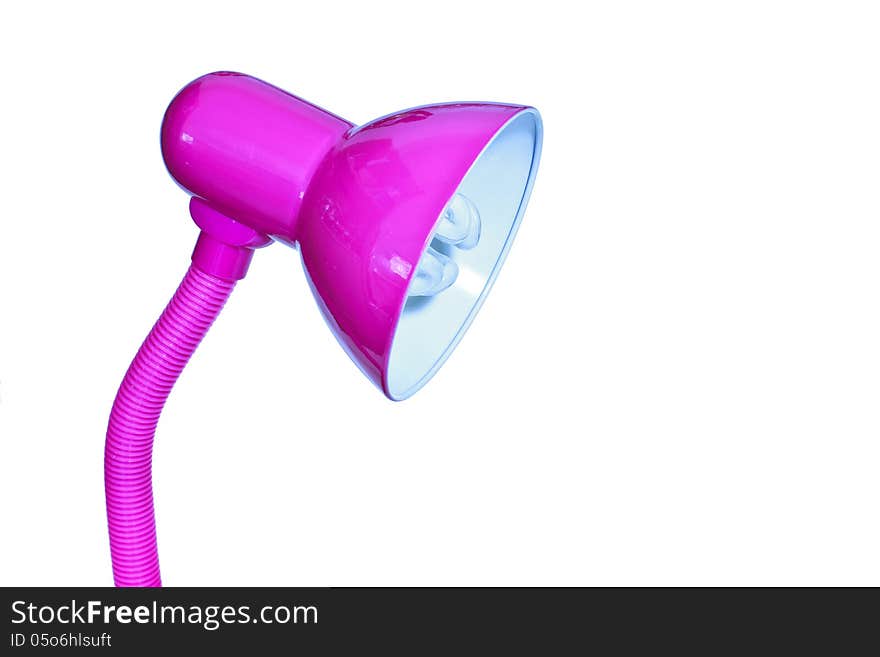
{"x": 402, "y": 223}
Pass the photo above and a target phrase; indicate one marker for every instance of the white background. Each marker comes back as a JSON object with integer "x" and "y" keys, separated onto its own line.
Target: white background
{"x": 674, "y": 381}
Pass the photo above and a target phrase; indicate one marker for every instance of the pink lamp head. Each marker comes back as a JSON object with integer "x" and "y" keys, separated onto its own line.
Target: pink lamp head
{"x": 402, "y": 223}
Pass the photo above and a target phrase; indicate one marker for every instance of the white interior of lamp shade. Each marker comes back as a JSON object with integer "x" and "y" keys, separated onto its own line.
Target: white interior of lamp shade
{"x": 498, "y": 183}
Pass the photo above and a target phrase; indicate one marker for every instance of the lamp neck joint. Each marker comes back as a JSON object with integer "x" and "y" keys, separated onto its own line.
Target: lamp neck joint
{"x": 225, "y": 246}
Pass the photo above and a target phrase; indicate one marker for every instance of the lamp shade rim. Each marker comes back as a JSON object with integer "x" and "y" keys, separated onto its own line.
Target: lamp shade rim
{"x": 399, "y": 393}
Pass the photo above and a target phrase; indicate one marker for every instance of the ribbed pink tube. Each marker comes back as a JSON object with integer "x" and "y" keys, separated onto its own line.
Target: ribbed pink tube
{"x": 129, "y": 448}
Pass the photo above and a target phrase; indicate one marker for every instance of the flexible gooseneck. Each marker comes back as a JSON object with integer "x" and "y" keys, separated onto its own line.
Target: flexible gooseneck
{"x": 221, "y": 258}
{"x": 129, "y": 447}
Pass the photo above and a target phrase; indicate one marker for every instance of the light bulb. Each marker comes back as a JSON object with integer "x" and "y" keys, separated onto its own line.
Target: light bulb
{"x": 459, "y": 223}
{"x": 435, "y": 273}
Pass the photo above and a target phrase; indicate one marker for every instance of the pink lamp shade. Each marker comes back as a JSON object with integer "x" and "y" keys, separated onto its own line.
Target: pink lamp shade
{"x": 402, "y": 223}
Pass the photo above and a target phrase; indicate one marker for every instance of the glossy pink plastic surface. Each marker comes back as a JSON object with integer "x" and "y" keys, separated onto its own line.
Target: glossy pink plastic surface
{"x": 128, "y": 451}
{"x": 247, "y": 148}
{"x": 370, "y": 210}
{"x": 225, "y": 247}
{"x": 361, "y": 203}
